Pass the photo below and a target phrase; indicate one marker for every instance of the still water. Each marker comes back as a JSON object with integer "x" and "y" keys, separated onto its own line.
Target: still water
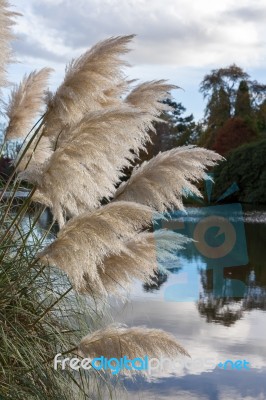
{"x": 215, "y": 308}
{"x": 214, "y": 305}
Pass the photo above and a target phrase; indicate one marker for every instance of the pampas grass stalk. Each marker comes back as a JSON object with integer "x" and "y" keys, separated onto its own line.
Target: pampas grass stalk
{"x": 19, "y": 159}
{"x": 25, "y": 102}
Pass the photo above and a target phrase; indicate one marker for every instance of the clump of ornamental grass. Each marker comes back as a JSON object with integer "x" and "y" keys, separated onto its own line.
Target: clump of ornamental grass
{"x": 72, "y": 160}
{"x": 39, "y": 316}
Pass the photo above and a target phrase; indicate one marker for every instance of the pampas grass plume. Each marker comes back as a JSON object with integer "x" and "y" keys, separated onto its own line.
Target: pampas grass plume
{"x": 25, "y": 103}
{"x": 116, "y": 341}
{"x": 149, "y": 96}
{"x": 87, "y": 165}
{"x": 86, "y": 240}
{"x": 161, "y": 182}
{"x": 144, "y": 255}
{"x": 6, "y": 36}
{"x": 89, "y": 84}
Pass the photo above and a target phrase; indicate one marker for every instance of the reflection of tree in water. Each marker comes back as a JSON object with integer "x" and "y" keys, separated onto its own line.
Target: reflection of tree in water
{"x": 255, "y": 298}
{"x": 157, "y": 280}
{"x": 229, "y": 292}
{"x": 229, "y": 308}
{"x": 221, "y": 310}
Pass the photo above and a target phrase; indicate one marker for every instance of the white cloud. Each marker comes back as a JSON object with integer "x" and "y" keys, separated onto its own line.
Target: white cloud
{"x": 179, "y": 40}
{"x": 183, "y": 33}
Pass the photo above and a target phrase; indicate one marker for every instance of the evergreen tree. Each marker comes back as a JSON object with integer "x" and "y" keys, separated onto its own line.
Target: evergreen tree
{"x": 218, "y": 111}
{"x": 243, "y": 107}
{"x": 261, "y": 119}
{"x": 182, "y": 130}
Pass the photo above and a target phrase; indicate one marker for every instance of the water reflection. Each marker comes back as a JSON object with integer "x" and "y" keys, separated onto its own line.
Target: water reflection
{"x": 214, "y": 311}
{"x": 221, "y": 289}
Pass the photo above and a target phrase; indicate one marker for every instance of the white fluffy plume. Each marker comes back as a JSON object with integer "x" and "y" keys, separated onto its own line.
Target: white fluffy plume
{"x": 86, "y": 168}
{"x": 32, "y": 156}
{"x": 92, "y": 81}
{"x": 148, "y": 96}
{"x": 162, "y": 181}
{"x": 25, "y": 103}
{"x": 116, "y": 341}
{"x": 93, "y": 146}
{"x": 6, "y": 36}
{"x": 144, "y": 255}
{"x": 85, "y": 240}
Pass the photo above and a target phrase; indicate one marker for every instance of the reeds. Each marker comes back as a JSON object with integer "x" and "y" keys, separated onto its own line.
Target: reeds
{"x": 28, "y": 343}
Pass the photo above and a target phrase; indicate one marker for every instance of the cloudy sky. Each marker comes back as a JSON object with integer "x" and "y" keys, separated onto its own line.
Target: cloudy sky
{"x": 179, "y": 40}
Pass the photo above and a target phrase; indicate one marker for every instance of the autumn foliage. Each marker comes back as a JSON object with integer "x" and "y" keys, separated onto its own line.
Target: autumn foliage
{"x": 233, "y": 134}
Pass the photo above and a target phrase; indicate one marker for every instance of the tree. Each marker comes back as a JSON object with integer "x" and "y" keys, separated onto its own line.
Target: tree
{"x": 231, "y": 79}
{"x": 261, "y": 118}
{"x": 219, "y": 108}
{"x": 243, "y": 106}
{"x": 233, "y": 134}
{"x": 230, "y": 92}
{"x": 180, "y": 129}
{"x": 225, "y": 78}
{"x": 217, "y": 113}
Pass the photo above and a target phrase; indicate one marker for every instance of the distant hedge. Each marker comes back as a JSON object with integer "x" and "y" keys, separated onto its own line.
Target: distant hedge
{"x": 245, "y": 166}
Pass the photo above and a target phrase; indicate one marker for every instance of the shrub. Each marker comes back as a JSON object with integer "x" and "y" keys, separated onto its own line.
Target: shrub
{"x": 247, "y": 167}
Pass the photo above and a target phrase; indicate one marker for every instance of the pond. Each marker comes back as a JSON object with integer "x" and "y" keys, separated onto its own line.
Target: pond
{"x": 217, "y": 312}
{"x": 214, "y": 304}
